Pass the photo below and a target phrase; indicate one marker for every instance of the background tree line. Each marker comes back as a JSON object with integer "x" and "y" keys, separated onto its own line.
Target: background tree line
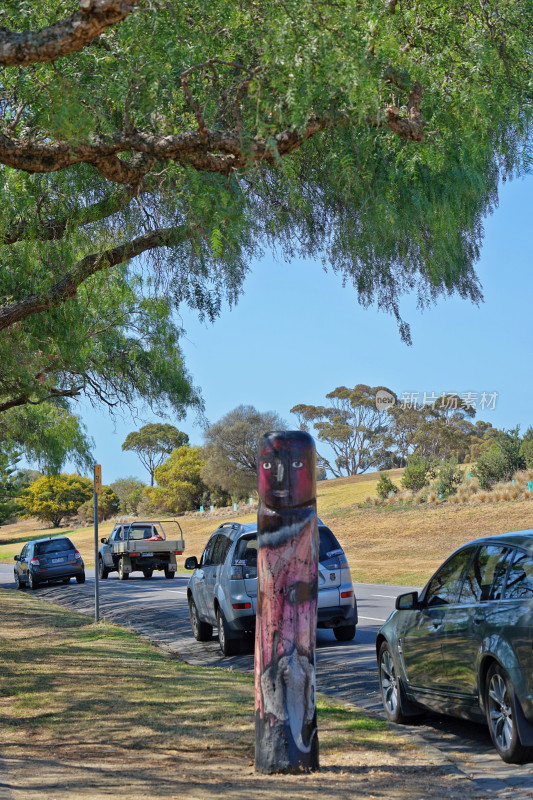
{"x": 429, "y": 441}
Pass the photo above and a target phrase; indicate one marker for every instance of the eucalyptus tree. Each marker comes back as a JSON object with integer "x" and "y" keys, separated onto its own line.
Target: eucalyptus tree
{"x": 371, "y": 135}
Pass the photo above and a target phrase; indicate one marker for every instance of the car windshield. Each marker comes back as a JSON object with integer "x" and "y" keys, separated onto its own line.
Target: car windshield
{"x": 53, "y": 546}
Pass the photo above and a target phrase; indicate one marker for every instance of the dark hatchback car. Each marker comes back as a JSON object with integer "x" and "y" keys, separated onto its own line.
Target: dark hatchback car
{"x": 464, "y": 646}
{"x": 48, "y": 560}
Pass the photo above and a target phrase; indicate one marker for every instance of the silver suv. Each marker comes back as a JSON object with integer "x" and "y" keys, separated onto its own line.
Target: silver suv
{"x": 222, "y": 590}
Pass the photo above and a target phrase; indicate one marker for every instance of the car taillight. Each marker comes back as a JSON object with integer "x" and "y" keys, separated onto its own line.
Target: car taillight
{"x": 346, "y": 594}
{"x": 178, "y": 552}
{"x": 235, "y": 573}
{"x": 240, "y": 606}
{"x": 35, "y": 562}
{"x": 77, "y": 554}
{"x": 134, "y": 554}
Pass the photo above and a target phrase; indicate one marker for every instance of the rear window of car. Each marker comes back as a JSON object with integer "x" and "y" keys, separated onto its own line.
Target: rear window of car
{"x": 53, "y": 546}
{"x": 329, "y": 546}
{"x": 246, "y": 551}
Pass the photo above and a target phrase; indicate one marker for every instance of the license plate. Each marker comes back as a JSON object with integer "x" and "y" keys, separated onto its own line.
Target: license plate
{"x": 147, "y": 555}
{"x": 57, "y": 560}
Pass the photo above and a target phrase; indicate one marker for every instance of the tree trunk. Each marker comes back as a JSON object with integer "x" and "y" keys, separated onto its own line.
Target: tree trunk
{"x": 286, "y": 738}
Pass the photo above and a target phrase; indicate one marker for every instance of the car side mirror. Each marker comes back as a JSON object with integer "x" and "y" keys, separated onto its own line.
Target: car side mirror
{"x": 103, "y": 540}
{"x": 407, "y": 601}
{"x": 191, "y": 562}
{"x": 16, "y": 558}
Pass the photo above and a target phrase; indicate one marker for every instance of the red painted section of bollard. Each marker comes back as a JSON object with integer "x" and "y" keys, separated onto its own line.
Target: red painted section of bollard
{"x": 286, "y": 737}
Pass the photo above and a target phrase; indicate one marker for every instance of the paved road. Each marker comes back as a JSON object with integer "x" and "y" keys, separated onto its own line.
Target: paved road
{"x": 157, "y": 609}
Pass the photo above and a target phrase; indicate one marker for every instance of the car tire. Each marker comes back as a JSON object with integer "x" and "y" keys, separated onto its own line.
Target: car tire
{"x": 227, "y": 642}
{"x": 122, "y": 576}
{"x": 202, "y": 631}
{"x": 32, "y": 583}
{"x": 103, "y": 572}
{"x": 500, "y": 708}
{"x": 18, "y": 582}
{"x": 169, "y": 574}
{"x": 344, "y": 633}
{"x": 148, "y": 573}
{"x": 80, "y": 578}
{"x": 389, "y": 685}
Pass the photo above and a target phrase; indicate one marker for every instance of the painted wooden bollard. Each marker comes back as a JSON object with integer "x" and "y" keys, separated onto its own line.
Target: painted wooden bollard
{"x": 286, "y": 736}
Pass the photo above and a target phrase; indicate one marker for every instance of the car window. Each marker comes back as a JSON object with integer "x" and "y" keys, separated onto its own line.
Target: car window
{"x": 220, "y": 549}
{"x": 117, "y": 535}
{"x": 144, "y": 532}
{"x": 24, "y": 552}
{"x": 486, "y": 575}
{"x": 329, "y": 545}
{"x": 53, "y": 546}
{"x": 207, "y": 555}
{"x": 520, "y": 577}
{"x": 445, "y": 585}
{"x": 245, "y": 555}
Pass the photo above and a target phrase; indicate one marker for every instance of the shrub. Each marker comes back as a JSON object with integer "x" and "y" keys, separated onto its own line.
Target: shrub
{"x": 500, "y": 461}
{"x": 449, "y": 478}
{"x": 108, "y": 506}
{"x": 385, "y": 486}
{"x": 418, "y": 473}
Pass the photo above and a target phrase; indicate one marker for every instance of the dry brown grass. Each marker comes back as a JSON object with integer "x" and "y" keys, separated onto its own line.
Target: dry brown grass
{"x": 93, "y": 712}
{"x": 396, "y": 543}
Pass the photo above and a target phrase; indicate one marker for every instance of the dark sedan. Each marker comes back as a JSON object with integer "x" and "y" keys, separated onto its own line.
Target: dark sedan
{"x": 464, "y": 646}
{"x": 48, "y": 560}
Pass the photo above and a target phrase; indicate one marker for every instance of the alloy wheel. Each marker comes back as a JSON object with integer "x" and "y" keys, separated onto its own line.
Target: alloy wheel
{"x": 500, "y": 712}
{"x": 389, "y": 683}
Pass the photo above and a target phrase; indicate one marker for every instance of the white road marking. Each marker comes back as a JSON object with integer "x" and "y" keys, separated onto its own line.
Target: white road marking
{"x": 388, "y": 596}
{"x": 374, "y": 619}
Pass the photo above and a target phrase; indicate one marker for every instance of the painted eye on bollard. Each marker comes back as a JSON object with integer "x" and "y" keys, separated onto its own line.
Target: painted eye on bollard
{"x": 297, "y": 464}
{"x": 267, "y": 465}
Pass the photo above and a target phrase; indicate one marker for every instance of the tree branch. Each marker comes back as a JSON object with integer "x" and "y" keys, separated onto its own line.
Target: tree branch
{"x": 206, "y": 150}
{"x": 68, "y": 285}
{"x": 52, "y": 229}
{"x": 26, "y": 400}
{"x": 66, "y": 36}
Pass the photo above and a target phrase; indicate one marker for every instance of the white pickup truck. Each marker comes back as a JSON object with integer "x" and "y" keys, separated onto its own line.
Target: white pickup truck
{"x": 143, "y": 547}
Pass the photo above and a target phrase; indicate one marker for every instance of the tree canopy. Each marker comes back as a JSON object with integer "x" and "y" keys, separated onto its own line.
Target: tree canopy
{"x": 231, "y": 446}
{"x": 371, "y": 135}
{"x": 153, "y": 443}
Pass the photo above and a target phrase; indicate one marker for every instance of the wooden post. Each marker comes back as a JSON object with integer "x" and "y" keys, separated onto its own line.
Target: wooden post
{"x": 286, "y": 737}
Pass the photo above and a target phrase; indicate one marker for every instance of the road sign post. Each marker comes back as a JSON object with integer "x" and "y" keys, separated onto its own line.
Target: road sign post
{"x": 97, "y": 490}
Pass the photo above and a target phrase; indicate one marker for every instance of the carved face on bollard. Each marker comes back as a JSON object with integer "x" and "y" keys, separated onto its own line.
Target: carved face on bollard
{"x": 286, "y": 469}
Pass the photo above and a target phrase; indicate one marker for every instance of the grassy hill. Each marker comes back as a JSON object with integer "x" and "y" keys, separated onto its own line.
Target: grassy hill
{"x": 384, "y": 544}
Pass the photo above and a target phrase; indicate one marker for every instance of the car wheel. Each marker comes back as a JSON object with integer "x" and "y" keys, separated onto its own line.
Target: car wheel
{"x": 102, "y": 571}
{"x": 18, "y": 582}
{"x": 148, "y": 573}
{"x": 80, "y": 578}
{"x": 227, "y": 642}
{"x": 169, "y": 574}
{"x": 344, "y": 633}
{"x": 389, "y": 685}
{"x": 32, "y": 583}
{"x": 501, "y": 717}
{"x": 201, "y": 631}
{"x": 65, "y": 580}
{"x": 122, "y": 576}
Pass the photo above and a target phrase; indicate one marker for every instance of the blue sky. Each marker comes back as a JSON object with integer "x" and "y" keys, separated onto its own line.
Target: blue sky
{"x": 297, "y": 334}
